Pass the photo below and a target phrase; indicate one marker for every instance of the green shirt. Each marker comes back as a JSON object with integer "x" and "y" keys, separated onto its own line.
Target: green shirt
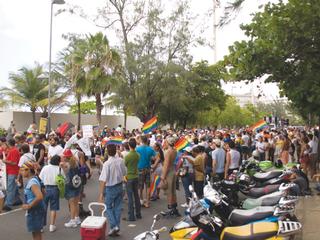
{"x": 131, "y": 162}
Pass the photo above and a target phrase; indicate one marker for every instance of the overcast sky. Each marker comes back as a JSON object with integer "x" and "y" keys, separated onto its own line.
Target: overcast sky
{"x": 24, "y": 33}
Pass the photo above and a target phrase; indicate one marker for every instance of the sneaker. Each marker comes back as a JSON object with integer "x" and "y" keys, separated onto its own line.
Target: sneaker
{"x": 71, "y": 224}
{"x": 52, "y": 228}
{"x": 185, "y": 205}
{"x": 117, "y": 231}
{"x": 111, "y": 232}
{"x": 77, "y": 220}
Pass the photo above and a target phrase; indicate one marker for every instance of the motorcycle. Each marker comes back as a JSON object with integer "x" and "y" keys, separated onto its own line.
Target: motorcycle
{"x": 230, "y": 192}
{"x": 186, "y": 228}
{"x": 236, "y": 217}
{"x": 152, "y": 234}
{"x": 214, "y": 228}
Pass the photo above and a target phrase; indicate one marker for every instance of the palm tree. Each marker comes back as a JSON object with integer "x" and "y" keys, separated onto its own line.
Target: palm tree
{"x": 230, "y": 11}
{"x": 101, "y": 65}
{"x": 121, "y": 99}
{"x": 29, "y": 88}
{"x": 73, "y": 72}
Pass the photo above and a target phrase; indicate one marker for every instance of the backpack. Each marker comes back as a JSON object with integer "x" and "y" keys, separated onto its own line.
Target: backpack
{"x": 60, "y": 181}
{"x": 75, "y": 179}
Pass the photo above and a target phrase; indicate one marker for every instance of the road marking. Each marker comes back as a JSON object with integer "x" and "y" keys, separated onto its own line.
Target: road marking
{"x": 132, "y": 225}
{"x": 12, "y": 211}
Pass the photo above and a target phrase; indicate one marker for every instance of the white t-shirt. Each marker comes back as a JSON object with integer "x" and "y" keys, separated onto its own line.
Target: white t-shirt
{"x": 314, "y": 145}
{"x": 261, "y": 147}
{"x": 56, "y": 150}
{"x": 235, "y": 159}
{"x": 48, "y": 174}
{"x": 26, "y": 157}
{"x": 245, "y": 139}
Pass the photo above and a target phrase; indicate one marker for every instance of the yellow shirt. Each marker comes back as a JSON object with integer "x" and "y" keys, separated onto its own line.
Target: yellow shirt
{"x": 198, "y": 166}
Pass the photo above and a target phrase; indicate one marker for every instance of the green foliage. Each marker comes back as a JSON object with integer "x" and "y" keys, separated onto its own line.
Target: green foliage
{"x": 87, "y": 107}
{"x": 232, "y": 115}
{"x": 3, "y": 132}
{"x": 92, "y": 68}
{"x": 190, "y": 93}
{"x": 283, "y": 45}
{"x": 155, "y": 56}
{"x": 30, "y": 89}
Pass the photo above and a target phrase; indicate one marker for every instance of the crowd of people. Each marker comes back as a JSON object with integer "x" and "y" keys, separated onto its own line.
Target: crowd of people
{"x": 137, "y": 169}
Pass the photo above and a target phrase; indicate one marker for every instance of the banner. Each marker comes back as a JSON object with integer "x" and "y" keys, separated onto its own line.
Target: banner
{"x": 87, "y": 131}
{"x": 84, "y": 144}
{"x": 43, "y": 125}
{"x": 3, "y": 176}
{"x": 71, "y": 141}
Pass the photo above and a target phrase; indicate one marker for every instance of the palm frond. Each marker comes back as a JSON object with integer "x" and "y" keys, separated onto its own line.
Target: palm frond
{"x": 230, "y": 12}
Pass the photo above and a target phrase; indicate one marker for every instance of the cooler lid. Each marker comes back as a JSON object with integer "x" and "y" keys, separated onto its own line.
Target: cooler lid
{"x": 93, "y": 222}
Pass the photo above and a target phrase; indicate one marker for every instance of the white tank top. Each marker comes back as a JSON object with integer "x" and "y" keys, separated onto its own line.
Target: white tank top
{"x": 235, "y": 159}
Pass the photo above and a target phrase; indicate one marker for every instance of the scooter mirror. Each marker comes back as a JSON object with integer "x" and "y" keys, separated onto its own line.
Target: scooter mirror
{"x": 163, "y": 229}
{"x": 207, "y": 178}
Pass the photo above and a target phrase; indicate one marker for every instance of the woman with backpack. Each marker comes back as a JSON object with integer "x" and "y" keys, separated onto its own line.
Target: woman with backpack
{"x": 73, "y": 187}
{"x": 34, "y": 203}
{"x": 49, "y": 175}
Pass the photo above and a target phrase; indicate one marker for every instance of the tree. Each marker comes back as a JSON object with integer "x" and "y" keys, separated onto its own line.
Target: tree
{"x": 30, "y": 89}
{"x": 101, "y": 65}
{"x": 70, "y": 68}
{"x": 191, "y": 92}
{"x": 87, "y": 107}
{"x": 283, "y": 45}
{"x": 161, "y": 40}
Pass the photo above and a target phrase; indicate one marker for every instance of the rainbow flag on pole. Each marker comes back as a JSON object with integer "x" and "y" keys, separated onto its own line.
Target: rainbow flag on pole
{"x": 150, "y": 125}
{"x": 154, "y": 186}
{"x": 117, "y": 140}
{"x": 181, "y": 144}
{"x": 259, "y": 125}
{"x": 30, "y": 138}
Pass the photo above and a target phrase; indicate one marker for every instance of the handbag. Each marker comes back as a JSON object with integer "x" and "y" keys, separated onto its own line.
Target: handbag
{"x": 163, "y": 184}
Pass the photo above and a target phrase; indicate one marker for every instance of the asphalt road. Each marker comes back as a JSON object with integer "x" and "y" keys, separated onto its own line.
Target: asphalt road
{"x": 13, "y": 227}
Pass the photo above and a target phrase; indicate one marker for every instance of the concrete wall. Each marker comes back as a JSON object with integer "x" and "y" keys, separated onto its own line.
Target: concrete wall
{"x": 24, "y": 119}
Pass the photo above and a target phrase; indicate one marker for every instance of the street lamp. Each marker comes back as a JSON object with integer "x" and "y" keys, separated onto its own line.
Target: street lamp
{"x": 50, "y": 48}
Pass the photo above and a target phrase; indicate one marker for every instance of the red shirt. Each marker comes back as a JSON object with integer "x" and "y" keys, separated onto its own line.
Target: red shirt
{"x": 13, "y": 156}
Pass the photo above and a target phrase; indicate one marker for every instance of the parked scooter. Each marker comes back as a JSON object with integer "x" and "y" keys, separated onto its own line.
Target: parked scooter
{"x": 214, "y": 228}
{"x": 152, "y": 234}
{"x": 236, "y": 217}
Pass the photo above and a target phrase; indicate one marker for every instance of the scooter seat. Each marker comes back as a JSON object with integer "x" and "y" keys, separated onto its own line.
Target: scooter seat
{"x": 253, "y": 231}
{"x": 271, "y": 199}
{"x": 267, "y": 175}
{"x": 242, "y": 217}
{"x": 259, "y": 192}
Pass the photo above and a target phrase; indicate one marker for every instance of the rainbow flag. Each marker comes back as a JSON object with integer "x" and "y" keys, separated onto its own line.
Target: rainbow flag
{"x": 259, "y": 125}
{"x": 179, "y": 163}
{"x": 30, "y": 138}
{"x": 150, "y": 125}
{"x": 154, "y": 186}
{"x": 181, "y": 144}
{"x": 117, "y": 140}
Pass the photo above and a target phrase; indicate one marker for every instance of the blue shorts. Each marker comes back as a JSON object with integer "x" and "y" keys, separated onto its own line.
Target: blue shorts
{"x": 71, "y": 192}
{"x": 52, "y": 198}
{"x": 35, "y": 218}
